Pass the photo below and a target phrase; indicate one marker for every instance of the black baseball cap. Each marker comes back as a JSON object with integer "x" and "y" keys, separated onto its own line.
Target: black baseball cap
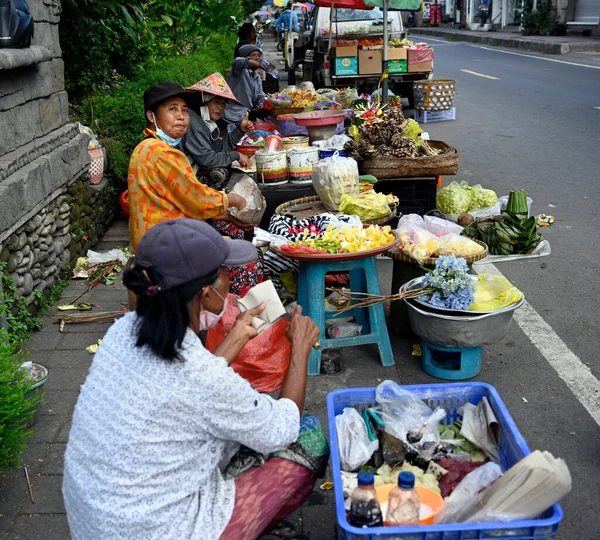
{"x": 184, "y": 250}
{"x": 157, "y": 93}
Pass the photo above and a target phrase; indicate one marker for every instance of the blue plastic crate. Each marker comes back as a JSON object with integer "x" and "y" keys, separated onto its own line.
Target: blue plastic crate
{"x": 450, "y": 396}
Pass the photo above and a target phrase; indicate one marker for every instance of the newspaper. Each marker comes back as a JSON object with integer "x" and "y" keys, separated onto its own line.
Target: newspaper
{"x": 480, "y": 426}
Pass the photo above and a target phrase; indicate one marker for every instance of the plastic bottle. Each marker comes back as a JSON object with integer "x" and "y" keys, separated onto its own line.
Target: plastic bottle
{"x": 364, "y": 507}
{"x": 403, "y": 503}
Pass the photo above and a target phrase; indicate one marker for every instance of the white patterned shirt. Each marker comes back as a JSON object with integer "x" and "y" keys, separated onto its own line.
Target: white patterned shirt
{"x": 148, "y": 435}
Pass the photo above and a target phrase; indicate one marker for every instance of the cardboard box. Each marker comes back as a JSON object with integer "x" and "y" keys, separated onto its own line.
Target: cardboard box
{"x": 347, "y": 50}
{"x": 346, "y": 65}
{"x": 397, "y": 53}
{"x": 422, "y": 67}
{"x": 419, "y": 56}
{"x": 397, "y": 66}
{"x": 369, "y": 62}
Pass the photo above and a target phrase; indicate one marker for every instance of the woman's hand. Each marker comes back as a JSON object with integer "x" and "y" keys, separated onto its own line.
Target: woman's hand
{"x": 240, "y": 334}
{"x": 247, "y": 227}
{"x": 302, "y": 332}
{"x": 244, "y": 160}
{"x": 236, "y": 201}
{"x": 246, "y": 125}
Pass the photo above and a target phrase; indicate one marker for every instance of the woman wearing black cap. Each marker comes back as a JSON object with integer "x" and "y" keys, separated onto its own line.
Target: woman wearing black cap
{"x": 158, "y": 413}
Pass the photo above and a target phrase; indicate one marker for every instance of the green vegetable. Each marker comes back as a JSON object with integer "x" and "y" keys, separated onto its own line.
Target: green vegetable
{"x": 454, "y": 199}
{"x": 482, "y": 198}
{"x": 517, "y": 202}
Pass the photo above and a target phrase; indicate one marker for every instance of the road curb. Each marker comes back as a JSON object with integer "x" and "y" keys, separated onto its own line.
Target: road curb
{"x": 497, "y": 41}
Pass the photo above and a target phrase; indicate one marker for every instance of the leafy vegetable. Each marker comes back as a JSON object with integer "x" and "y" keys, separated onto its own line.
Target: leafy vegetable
{"x": 517, "y": 202}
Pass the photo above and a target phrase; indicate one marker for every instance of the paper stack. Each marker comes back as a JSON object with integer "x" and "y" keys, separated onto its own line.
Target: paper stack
{"x": 527, "y": 489}
{"x": 263, "y": 292}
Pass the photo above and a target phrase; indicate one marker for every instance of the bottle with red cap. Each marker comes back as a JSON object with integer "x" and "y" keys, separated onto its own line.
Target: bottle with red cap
{"x": 364, "y": 507}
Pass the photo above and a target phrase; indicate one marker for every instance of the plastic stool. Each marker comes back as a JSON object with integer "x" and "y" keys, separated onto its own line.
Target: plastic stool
{"x": 451, "y": 363}
{"x": 311, "y": 296}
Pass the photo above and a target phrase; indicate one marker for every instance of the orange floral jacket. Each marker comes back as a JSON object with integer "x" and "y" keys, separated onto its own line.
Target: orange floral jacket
{"x": 163, "y": 186}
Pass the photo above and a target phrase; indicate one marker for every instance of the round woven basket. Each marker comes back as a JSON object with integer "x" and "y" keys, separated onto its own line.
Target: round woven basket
{"x": 470, "y": 259}
{"x": 435, "y": 94}
{"x": 391, "y": 167}
{"x": 287, "y": 110}
{"x": 313, "y": 206}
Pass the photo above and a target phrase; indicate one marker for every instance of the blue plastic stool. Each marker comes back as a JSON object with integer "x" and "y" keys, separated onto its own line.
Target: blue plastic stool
{"x": 311, "y": 296}
{"x": 451, "y": 363}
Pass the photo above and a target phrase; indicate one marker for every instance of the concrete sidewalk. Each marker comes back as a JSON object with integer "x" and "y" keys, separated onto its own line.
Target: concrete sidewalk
{"x": 514, "y": 40}
{"x": 68, "y": 362}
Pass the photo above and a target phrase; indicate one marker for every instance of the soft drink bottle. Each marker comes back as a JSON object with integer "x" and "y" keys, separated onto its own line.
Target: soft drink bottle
{"x": 364, "y": 507}
{"x": 404, "y": 503}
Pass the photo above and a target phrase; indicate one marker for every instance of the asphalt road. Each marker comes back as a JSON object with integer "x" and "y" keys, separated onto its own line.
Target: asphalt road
{"x": 532, "y": 124}
{"x": 528, "y": 122}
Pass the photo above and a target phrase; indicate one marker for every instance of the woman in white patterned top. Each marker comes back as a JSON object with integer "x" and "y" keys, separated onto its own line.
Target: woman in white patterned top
{"x": 158, "y": 413}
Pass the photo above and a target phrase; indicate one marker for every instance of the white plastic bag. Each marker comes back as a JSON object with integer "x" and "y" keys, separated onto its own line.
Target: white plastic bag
{"x": 349, "y": 221}
{"x": 353, "y": 440}
{"x": 440, "y": 227}
{"x": 402, "y": 412}
{"x": 255, "y": 201}
{"x": 462, "y": 503}
{"x": 344, "y": 330}
{"x": 407, "y": 219}
{"x": 334, "y": 177}
{"x": 418, "y": 243}
{"x": 95, "y": 257}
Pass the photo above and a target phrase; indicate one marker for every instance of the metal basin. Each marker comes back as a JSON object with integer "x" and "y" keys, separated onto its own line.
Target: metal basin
{"x": 469, "y": 330}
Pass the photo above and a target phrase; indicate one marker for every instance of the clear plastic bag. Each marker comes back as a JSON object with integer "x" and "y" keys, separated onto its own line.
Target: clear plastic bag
{"x": 440, "y": 227}
{"x": 417, "y": 242}
{"x": 494, "y": 293}
{"x": 459, "y": 246}
{"x": 407, "y": 219}
{"x": 367, "y": 206}
{"x": 486, "y": 212}
{"x": 482, "y": 198}
{"x": 454, "y": 198}
{"x": 334, "y": 177}
{"x": 344, "y": 330}
{"x": 462, "y": 503}
{"x": 353, "y": 440}
{"x": 97, "y": 257}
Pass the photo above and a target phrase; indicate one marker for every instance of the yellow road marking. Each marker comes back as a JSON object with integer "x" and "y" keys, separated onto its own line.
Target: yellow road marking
{"x": 480, "y": 74}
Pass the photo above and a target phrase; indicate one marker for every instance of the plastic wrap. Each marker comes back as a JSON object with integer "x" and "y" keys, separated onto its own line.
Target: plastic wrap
{"x": 344, "y": 330}
{"x": 459, "y": 246}
{"x": 367, "y": 206}
{"x": 417, "y": 242}
{"x": 334, "y": 177}
{"x": 482, "y": 198}
{"x": 440, "y": 227}
{"x": 354, "y": 444}
{"x": 494, "y": 293}
{"x": 256, "y": 204}
{"x": 454, "y": 198}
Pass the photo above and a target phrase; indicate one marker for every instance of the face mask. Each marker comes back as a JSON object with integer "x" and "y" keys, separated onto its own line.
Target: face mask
{"x": 208, "y": 319}
{"x": 164, "y": 136}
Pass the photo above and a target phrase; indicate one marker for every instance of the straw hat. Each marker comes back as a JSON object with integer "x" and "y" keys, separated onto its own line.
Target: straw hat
{"x": 216, "y": 85}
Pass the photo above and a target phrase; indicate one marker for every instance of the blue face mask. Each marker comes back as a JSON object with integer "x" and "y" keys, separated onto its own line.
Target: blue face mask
{"x": 164, "y": 136}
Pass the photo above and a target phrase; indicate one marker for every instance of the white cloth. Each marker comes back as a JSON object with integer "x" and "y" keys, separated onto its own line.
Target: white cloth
{"x": 147, "y": 437}
{"x": 205, "y": 115}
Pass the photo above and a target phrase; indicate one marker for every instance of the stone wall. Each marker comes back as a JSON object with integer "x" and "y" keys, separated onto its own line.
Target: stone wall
{"x": 49, "y": 213}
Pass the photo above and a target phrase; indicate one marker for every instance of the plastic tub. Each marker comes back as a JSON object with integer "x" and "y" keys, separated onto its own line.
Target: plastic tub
{"x": 450, "y": 396}
{"x": 504, "y": 201}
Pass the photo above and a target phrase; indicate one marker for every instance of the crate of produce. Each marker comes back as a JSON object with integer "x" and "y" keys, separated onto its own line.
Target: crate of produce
{"x": 425, "y": 117}
{"x": 450, "y": 396}
{"x": 416, "y": 195}
{"x": 434, "y": 94}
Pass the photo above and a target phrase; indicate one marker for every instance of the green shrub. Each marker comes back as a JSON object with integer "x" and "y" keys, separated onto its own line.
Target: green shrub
{"x": 15, "y": 408}
{"x": 118, "y": 116}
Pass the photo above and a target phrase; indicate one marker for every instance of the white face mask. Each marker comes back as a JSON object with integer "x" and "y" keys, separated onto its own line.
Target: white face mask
{"x": 208, "y": 319}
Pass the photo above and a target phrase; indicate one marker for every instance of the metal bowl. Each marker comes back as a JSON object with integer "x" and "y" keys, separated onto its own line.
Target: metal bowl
{"x": 469, "y": 329}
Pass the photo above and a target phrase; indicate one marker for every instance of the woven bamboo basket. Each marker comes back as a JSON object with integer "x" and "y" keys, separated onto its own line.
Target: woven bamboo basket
{"x": 435, "y": 94}
{"x": 391, "y": 167}
{"x": 470, "y": 259}
{"x": 286, "y": 110}
{"x": 313, "y": 206}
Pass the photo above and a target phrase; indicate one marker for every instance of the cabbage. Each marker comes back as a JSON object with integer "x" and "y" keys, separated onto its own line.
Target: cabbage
{"x": 454, "y": 199}
{"x": 482, "y": 198}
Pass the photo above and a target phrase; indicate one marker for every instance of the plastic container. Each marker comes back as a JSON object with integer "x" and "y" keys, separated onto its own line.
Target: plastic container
{"x": 271, "y": 167}
{"x": 404, "y": 502}
{"x": 273, "y": 143}
{"x": 450, "y": 396}
{"x": 364, "y": 507}
{"x": 504, "y": 202}
{"x": 300, "y": 163}
{"x": 297, "y": 141}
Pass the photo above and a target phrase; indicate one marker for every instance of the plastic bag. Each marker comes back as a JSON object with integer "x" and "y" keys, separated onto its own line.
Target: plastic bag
{"x": 454, "y": 198}
{"x": 418, "y": 243}
{"x": 464, "y": 499}
{"x": 334, "y": 177}
{"x": 486, "y": 212}
{"x": 347, "y": 96}
{"x": 482, "y": 198}
{"x": 459, "y": 246}
{"x": 95, "y": 257}
{"x": 264, "y": 360}
{"x": 440, "y": 227}
{"x": 403, "y": 413}
{"x": 327, "y": 105}
{"x": 367, "y": 206}
{"x": 337, "y": 142}
{"x": 256, "y": 204}
{"x": 494, "y": 293}
{"x": 415, "y": 219}
{"x": 542, "y": 250}
{"x": 344, "y": 330}
{"x": 354, "y": 444}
